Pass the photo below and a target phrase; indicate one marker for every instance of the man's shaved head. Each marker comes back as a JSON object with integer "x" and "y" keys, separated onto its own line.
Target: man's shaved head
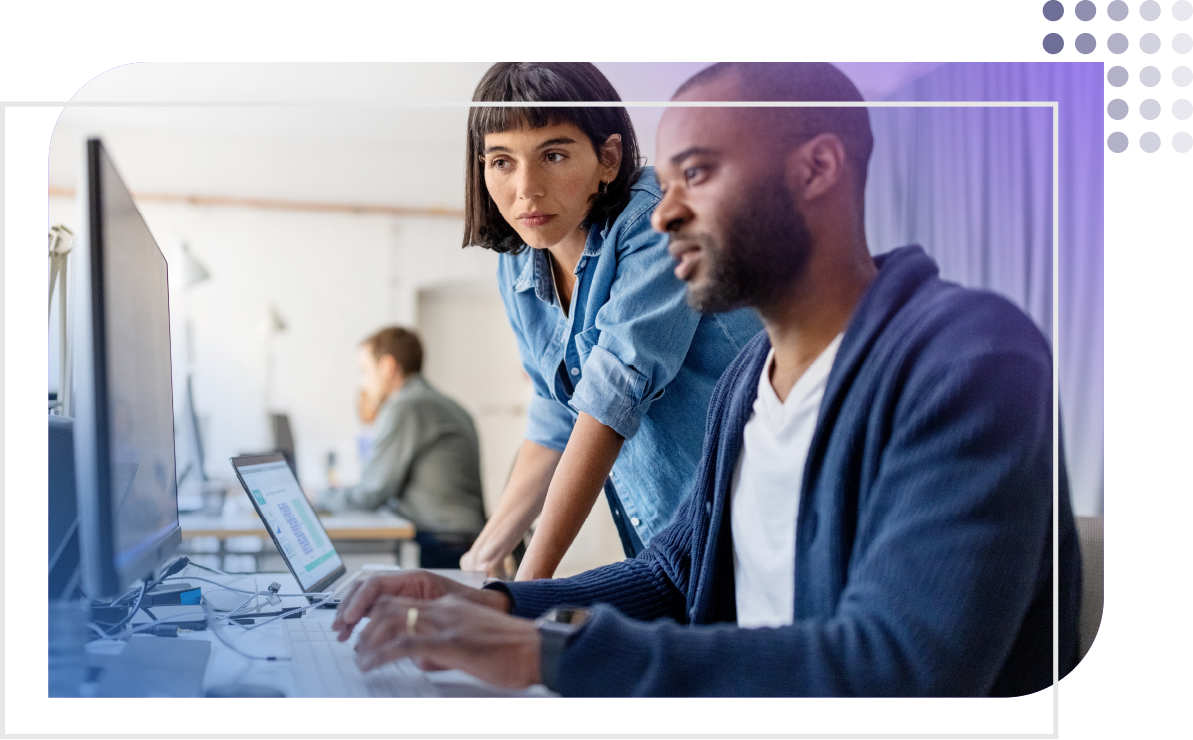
{"x": 793, "y": 82}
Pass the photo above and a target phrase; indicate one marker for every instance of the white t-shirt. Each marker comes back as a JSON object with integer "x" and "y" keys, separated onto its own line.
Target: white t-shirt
{"x": 765, "y": 493}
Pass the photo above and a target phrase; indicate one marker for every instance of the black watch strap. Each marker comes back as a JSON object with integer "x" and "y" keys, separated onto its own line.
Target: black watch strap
{"x": 556, "y": 629}
{"x": 553, "y": 640}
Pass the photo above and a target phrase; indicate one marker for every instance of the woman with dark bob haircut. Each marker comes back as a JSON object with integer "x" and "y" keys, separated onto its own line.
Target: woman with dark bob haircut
{"x": 622, "y": 367}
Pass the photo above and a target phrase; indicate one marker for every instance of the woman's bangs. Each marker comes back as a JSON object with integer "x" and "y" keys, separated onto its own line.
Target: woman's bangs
{"x": 500, "y": 119}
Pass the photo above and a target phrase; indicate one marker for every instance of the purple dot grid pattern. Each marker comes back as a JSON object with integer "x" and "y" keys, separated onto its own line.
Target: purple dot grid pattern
{"x": 1054, "y": 10}
{"x": 1054, "y": 43}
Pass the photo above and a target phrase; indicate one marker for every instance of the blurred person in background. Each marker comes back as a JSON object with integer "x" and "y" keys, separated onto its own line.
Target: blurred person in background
{"x": 424, "y": 462}
{"x": 622, "y": 366}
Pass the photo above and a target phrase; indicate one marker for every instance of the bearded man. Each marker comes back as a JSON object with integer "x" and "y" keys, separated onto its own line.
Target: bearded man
{"x": 873, "y": 512}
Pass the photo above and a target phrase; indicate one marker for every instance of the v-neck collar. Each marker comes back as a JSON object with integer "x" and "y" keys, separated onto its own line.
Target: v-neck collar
{"x": 555, "y": 286}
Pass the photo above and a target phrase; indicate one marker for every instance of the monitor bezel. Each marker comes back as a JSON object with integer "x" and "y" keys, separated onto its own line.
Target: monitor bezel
{"x": 101, "y": 577}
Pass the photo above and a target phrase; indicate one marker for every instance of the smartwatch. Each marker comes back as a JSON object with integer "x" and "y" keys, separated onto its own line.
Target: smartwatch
{"x": 556, "y": 629}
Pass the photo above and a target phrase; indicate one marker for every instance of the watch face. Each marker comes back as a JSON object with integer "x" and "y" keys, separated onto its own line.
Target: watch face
{"x": 574, "y": 616}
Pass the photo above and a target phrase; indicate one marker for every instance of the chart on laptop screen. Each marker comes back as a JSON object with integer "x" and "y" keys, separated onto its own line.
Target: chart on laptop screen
{"x": 290, "y": 517}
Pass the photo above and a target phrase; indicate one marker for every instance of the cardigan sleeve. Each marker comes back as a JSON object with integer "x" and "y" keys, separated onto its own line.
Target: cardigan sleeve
{"x": 651, "y": 586}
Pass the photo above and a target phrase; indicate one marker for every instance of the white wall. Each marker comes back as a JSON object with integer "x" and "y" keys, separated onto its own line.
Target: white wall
{"x": 334, "y": 279}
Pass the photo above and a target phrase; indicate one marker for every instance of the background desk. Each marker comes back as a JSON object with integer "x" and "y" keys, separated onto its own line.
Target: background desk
{"x": 339, "y": 528}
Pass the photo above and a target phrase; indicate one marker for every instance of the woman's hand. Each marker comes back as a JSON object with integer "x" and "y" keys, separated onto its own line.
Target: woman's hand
{"x": 519, "y": 505}
{"x": 591, "y": 451}
{"x": 486, "y": 557}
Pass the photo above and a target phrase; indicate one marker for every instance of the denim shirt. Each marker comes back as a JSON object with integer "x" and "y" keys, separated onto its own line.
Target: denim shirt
{"x": 630, "y": 353}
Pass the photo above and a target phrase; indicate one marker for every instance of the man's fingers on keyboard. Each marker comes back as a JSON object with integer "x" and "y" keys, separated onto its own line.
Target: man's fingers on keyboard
{"x": 356, "y": 604}
{"x": 389, "y": 619}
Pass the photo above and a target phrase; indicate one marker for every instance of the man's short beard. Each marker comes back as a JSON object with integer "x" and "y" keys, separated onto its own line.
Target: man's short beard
{"x": 765, "y": 249}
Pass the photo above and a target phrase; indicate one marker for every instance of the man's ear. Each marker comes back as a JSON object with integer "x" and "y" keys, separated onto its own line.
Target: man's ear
{"x": 816, "y": 167}
{"x": 387, "y": 367}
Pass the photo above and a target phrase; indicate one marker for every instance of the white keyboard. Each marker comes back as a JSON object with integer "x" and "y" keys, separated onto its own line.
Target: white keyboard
{"x": 342, "y": 589}
{"x": 324, "y": 666}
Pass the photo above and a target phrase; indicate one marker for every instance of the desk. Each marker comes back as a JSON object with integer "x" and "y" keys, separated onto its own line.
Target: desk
{"x": 354, "y": 527}
{"x": 359, "y": 527}
{"x": 226, "y": 666}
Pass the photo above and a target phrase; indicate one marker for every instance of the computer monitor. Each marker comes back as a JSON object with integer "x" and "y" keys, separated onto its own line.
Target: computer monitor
{"x": 124, "y": 419}
{"x": 283, "y": 440}
{"x": 63, "y": 531}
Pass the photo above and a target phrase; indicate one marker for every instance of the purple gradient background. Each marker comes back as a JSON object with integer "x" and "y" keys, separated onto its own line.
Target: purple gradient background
{"x": 1078, "y": 89}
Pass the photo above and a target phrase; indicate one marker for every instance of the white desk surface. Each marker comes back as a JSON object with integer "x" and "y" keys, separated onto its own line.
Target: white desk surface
{"x": 225, "y": 666}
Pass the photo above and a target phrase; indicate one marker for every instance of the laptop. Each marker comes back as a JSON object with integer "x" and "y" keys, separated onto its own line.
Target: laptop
{"x": 295, "y": 528}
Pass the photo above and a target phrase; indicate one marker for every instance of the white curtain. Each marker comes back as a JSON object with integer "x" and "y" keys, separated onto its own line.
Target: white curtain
{"x": 973, "y": 186}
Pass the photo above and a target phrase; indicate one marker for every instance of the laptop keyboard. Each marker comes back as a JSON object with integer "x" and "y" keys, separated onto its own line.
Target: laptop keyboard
{"x": 325, "y": 667}
{"x": 342, "y": 591}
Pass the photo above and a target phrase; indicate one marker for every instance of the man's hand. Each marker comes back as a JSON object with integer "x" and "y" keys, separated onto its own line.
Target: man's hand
{"x": 416, "y": 585}
{"x": 451, "y": 632}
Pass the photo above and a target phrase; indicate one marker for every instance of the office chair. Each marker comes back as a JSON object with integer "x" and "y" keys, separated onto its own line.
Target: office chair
{"x": 1089, "y": 534}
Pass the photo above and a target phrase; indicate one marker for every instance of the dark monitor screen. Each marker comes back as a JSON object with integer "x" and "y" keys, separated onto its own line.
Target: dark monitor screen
{"x": 124, "y": 438}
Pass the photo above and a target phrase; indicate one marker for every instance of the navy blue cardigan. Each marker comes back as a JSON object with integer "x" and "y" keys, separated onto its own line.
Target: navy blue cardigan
{"x": 923, "y": 548}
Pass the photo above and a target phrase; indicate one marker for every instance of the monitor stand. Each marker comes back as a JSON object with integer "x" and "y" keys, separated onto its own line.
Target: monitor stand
{"x": 156, "y": 666}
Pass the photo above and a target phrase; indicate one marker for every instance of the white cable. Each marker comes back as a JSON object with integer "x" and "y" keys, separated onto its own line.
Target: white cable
{"x": 212, "y": 618}
{"x": 242, "y": 590}
{"x": 231, "y": 614}
{"x": 175, "y": 618}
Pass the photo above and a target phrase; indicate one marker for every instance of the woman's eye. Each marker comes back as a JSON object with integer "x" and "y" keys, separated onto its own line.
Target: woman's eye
{"x": 499, "y": 164}
{"x": 555, "y": 156}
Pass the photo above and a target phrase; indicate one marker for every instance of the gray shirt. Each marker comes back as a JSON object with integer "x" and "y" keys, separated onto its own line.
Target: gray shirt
{"x": 425, "y": 463}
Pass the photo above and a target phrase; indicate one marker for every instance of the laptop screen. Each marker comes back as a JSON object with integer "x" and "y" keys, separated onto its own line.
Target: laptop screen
{"x": 291, "y": 520}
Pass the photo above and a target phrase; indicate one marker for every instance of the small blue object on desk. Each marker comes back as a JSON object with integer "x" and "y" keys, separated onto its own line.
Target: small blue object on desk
{"x": 173, "y": 594}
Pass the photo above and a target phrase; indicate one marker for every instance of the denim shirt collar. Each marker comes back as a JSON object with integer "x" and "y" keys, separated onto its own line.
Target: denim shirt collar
{"x": 537, "y": 271}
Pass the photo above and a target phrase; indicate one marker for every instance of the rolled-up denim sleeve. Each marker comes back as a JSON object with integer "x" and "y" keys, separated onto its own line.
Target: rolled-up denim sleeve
{"x": 645, "y": 330}
{"x": 548, "y": 423}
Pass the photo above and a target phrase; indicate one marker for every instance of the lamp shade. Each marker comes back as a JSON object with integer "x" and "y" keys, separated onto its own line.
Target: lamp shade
{"x": 193, "y": 271}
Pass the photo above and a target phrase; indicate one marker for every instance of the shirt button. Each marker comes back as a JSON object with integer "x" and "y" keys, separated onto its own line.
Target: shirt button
{"x": 575, "y": 371}
{"x": 634, "y": 521}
